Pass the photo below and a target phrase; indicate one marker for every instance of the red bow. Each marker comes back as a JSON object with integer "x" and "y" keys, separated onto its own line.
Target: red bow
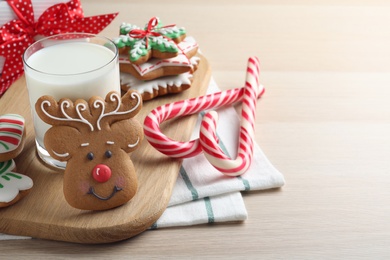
{"x": 140, "y": 34}
{"x": 18, "y": 34}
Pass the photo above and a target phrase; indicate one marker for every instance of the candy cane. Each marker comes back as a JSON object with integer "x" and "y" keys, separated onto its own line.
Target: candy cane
{"x": 208, "y": 138}
{"x": 191, "y": 106}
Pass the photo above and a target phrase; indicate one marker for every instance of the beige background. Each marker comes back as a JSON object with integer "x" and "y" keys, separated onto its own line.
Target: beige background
{"x": 324, "y": 122}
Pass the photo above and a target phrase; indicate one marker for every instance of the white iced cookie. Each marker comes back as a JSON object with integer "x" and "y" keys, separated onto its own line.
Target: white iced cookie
{"x": 13, "y": 186}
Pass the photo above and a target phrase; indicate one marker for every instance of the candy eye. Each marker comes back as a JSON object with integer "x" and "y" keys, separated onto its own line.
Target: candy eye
{"x": 108, "y": 154}
{"x": 90, "y": 156}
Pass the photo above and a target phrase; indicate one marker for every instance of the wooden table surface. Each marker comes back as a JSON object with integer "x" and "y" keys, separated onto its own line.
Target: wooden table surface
{"x": 324, "y": 122}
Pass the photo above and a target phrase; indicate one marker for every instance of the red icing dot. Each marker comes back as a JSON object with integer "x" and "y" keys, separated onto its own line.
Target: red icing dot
{"x": 101, "y": 173}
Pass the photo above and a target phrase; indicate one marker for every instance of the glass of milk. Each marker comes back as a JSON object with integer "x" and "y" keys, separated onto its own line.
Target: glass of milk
{"x": 73, "y": 65}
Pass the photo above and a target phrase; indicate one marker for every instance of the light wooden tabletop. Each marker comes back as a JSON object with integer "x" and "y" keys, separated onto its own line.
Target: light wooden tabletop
{"x": 324, "y": 122}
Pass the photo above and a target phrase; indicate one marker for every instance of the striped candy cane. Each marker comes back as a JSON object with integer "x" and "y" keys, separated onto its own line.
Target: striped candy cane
{"x": 209, "y": 141}
{"x": 191, "y": 106}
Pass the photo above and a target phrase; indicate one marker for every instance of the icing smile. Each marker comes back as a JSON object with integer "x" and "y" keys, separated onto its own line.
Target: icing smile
{"x": 115, "y": 190}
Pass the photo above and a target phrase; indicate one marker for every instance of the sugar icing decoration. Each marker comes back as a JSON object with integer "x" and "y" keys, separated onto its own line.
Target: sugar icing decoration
{"x": 11, "y": 132}
{"x": 134, "y": 144}
{"x": 115, "y": 97}
{"x": 63, "y": 155}
{"x": 143, "y": 86}
{"x": 179, "y": 61}
{"x": 153, "y": 37}
{"x": 65, "y": 104}
{"x": 12, "y": 183}
{"x": 80, "y": 107}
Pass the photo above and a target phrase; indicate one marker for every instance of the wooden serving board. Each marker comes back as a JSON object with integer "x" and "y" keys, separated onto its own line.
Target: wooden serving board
{"x": 44, "y": 213}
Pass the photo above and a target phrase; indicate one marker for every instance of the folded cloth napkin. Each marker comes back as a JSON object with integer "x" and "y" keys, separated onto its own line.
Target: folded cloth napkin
{"x": 204, "y": 195}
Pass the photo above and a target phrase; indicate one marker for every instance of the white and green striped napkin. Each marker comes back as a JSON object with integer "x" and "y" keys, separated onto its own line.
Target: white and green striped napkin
{"x": 204, "y": 195}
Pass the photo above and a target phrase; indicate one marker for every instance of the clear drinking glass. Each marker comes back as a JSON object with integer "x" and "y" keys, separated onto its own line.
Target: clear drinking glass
{"x": 71, "y": 65}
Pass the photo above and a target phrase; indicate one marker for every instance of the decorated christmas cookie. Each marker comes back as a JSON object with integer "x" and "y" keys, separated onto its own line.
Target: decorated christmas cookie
{"x": 94, "y": 138}
{"x": 157, "y": 87}
{"x": 150, "y": 89}
{"x": 155, "y": 40}
{"x": 13, "y": 186}
{"x": 12, "y": 135}
{"x": 155, "y": 68}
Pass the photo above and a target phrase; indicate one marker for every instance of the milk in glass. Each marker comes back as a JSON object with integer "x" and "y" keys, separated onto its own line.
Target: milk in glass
{"x": 71, "y": 69}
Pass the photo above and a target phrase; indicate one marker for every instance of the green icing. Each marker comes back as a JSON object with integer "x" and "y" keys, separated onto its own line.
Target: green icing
{"x": 16, "y": 176}
{"x": 171, "y": 32}
{"x": 5, "y": 166}
{"x": 4, "y": 145}
{"x": 162, "y": 44}
{"x": 138, "y": 50}
{"x": 126, "y": 28}
{"x": 5, "y": 177}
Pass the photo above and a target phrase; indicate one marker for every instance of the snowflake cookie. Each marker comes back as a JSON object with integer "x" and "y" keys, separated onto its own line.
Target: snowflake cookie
{"x": 156, "y": 68}
{"x": 154, "y": 40}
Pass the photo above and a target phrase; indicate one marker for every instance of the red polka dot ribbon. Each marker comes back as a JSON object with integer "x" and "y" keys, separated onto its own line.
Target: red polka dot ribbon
{"x": 18, "y": 34}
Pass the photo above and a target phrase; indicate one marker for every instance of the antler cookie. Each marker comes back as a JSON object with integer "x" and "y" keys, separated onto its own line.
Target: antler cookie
{"x": 94, "y": 138}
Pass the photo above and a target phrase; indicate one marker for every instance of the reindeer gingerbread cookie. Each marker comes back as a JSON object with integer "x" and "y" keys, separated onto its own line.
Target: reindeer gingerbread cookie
{"x": 94, "y": 138}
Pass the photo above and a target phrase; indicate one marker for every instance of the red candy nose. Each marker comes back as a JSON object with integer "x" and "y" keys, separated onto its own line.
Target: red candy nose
{"x": 101, "y": 173}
